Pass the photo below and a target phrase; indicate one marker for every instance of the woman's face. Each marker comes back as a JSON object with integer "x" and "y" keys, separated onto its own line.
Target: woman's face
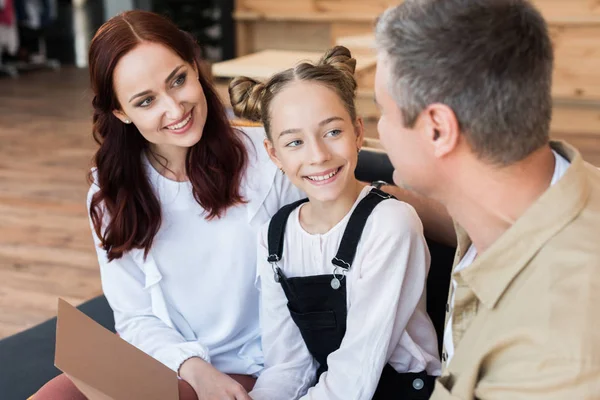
{"x": 161, "y": 95}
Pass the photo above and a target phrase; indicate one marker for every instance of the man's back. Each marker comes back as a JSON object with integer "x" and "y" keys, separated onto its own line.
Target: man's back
{"x": 525, "y": 318}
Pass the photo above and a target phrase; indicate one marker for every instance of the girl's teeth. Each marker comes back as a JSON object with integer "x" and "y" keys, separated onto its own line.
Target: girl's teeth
{"x": 181, "y": 124}
{"x": 323, "y": 177}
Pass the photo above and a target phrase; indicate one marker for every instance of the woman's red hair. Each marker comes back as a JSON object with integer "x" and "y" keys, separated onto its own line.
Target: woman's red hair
{"x": 214, "y": 165}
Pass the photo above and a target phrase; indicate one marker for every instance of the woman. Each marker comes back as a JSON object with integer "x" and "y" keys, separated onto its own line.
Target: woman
{"x": 175, "y": 202}
{"x": 343, "y": 272}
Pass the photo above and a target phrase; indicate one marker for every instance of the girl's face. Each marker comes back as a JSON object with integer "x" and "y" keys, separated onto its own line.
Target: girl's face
{"x": 314, "y": 140}
{"x": 161, "y": 95}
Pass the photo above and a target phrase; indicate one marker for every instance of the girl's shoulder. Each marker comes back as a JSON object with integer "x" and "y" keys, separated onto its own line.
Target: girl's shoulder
{"x": 253, "y": 136}
{"x": 395, "y": 217}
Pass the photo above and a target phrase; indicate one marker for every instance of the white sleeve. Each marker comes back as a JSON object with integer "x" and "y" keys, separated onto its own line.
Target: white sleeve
{"x": 289, "y": 369}
{"x": 123, "y": 284}
{"x": 393, "y": 268}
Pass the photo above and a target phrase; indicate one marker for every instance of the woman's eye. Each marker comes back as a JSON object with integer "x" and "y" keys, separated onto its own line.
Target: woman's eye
{"x": 294, "y": 143}
{"x": 146, "y": 102}
{"x": 334, "y": 133}
{"x": 180, "y": 80}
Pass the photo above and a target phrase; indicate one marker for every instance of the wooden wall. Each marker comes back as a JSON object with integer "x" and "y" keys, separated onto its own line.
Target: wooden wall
{"x": 315, "y": 25}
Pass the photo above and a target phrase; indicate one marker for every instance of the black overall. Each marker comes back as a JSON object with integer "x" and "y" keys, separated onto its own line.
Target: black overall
{"x": 317, "y": 303}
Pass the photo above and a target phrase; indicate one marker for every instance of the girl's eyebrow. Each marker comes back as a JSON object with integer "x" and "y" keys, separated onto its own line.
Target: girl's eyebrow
{"x": 321, "y": 124}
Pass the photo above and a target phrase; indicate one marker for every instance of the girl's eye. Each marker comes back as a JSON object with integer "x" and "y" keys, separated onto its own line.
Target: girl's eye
{"x": 294, "y": 143}
{"x": 334, "y": 133}
{"x": 180, "y": 80}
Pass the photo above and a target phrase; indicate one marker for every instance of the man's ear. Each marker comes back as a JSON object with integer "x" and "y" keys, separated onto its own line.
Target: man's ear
{"x": 442, "y": 129}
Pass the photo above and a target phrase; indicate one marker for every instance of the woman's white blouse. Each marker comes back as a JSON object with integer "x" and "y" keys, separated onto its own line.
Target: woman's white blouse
{"x": 195, "y": 293}
{"x": 387, "y": 320}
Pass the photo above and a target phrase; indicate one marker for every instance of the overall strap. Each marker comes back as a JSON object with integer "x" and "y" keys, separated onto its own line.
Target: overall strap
{"x": 356, "y": 224}
{"x": 277, "y": 230}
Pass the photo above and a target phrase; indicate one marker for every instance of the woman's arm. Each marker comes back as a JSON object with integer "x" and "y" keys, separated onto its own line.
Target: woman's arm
{"x": 124, "y": 285}
{"x": 126, "y": 288}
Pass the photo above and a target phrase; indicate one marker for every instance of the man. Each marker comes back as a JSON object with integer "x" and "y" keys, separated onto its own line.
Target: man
{"x": 464, "y": 88}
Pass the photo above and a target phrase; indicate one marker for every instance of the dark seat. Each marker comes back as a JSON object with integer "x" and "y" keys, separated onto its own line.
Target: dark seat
{"x": 28, "y": 357}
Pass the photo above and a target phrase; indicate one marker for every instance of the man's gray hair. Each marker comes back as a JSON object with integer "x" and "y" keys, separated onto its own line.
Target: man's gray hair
{"x": 490, "y": 61}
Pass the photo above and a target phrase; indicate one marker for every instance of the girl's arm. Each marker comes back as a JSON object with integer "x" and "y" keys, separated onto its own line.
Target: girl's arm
{"x": 392, "y": 262}
{"x": 290, "y": 369}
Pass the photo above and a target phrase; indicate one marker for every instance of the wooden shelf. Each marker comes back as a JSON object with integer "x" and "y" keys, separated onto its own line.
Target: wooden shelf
{"x": 262, "y": 65}
{"x": 304, "y": 16}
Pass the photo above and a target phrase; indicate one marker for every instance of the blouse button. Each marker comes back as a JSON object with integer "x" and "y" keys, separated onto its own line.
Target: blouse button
{"x": 418, "y": 384}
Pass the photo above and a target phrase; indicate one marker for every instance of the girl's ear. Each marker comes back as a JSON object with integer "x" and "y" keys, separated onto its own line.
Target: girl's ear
{"x": 359, "y": 128}
{"x": 271, "y": 152}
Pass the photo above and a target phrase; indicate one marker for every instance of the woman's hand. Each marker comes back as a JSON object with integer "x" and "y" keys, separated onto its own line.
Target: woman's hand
{"x": 209, "y": 383}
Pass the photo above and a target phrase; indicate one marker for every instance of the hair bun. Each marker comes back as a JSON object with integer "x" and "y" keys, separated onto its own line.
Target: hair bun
{"x": 340, "y": 58}
{"x": 246, "y": 96}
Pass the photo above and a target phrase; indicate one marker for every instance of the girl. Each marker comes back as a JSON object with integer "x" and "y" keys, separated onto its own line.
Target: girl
{"x": 175, "y": 204}
{"x": 342, "y": 273}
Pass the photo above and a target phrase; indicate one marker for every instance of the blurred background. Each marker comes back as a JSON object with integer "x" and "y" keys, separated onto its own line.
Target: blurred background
{"x": 46, "y": 145}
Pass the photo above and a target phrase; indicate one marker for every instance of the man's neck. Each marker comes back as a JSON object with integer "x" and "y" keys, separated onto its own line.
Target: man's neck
{"x": 488, "y": 200}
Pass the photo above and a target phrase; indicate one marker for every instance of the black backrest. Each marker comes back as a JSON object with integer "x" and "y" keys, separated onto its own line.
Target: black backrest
{"x": 375, "y": 165}
{"x": 28, "y": 356}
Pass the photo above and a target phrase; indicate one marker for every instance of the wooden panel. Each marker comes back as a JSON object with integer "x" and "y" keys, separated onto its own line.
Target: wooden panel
{"x": 576, "y": 119}
{"x": 373, "y": 144}
{"x": 580, "y": 12}
{"x": 328, "y": 17}
{"x": 573, "y": 11}
{"x": 244, "y": 38}
{"x": 365, "y": 104}
{"x": 264, "y": 64}
{"x": 291, "y": 36}
{"x": 344, "y": 29}
{"x": 568, "y": 119}
{"x": 555, "y": 11}
{"x": 577, "y": 59}
{"x": 360, "y": 44}
{"x": 270, "y": 6}
{"x": 577, "y": 65}
{"x": 371, "y": 7}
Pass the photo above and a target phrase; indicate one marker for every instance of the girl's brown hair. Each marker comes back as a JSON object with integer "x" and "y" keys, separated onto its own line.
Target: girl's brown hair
{"x": 251, "y": 99}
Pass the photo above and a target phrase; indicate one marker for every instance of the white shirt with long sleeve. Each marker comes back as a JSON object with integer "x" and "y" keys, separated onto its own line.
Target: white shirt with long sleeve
{"x": 195, "y": 293}
{"x": 387, "y": 320}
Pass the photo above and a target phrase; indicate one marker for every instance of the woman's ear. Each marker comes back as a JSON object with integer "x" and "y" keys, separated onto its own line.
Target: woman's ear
{"x": 121, "y": 115}
{"x": 271, "y": 152}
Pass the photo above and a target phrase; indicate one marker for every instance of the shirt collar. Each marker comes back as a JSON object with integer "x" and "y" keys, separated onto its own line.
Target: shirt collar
{"x": 492, "y": 271}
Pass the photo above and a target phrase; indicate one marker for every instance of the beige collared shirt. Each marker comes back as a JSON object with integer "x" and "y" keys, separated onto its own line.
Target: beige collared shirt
{"x": 526, "y": 322}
